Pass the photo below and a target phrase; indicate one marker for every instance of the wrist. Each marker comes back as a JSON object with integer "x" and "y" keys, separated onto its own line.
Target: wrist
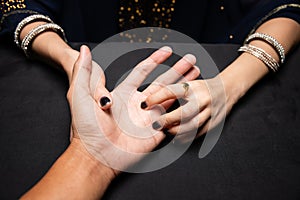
{"x": 50, "y": 47}
{"x": 241, "y": 75}
{"x": 93, "y": 167}
{"x": 74, "y": 175}
{"x": 67, "y": 60}
{"x": 233, "y": 87}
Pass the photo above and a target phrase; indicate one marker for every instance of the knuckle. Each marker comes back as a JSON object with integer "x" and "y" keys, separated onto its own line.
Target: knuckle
{"x": 151, "y": 100}
{"x": 160, "y": 96}
{"x": 207, "y": 99}
{"x": 142, "y": 70}
{"x": 184, "y": 112}
{"x": 170, "y": 119}
{"x": 169, "y": 91}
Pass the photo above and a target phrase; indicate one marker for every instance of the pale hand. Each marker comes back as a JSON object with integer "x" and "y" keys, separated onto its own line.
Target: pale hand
{"x": 206, "y": 106}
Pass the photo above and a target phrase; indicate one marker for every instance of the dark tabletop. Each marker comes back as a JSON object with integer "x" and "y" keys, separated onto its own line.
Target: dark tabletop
{"x": 256, "y": 157}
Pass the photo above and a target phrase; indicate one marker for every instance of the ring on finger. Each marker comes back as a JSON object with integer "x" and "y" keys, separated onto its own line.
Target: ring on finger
{"x": 186, "y": 87}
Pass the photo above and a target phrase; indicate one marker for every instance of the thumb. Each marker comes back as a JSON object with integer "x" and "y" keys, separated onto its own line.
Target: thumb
{"x": 97, "y": 85}
{"x": 82, "y": 71}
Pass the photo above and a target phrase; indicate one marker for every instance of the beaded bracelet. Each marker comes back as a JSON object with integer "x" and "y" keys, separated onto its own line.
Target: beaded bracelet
{"x": 270, "y": 40}
{"x": 28, "y": 39}
{"x": 26, "y": 21}
{"x": 259, "y": 53}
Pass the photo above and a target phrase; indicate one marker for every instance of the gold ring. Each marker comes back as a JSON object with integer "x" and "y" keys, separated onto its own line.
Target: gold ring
{"x": 186, "y": 87}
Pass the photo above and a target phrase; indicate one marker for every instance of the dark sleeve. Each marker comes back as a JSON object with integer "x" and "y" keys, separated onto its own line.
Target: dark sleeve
{"x": 289, "y": 12}
{"x": 263, "y": 11}
{"x": 287, "y": 8}
{"x": 12, "y": 12}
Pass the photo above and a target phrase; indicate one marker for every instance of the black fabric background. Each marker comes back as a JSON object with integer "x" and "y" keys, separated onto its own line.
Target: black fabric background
{"x": 257, "y": 156}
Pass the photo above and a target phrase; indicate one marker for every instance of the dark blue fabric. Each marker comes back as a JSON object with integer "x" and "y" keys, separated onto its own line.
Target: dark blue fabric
{"x": 204, "y": 21}
{"x": 207, "y": 23}
{"x": 50, "y": 8}
{"x": 246, "y": 24}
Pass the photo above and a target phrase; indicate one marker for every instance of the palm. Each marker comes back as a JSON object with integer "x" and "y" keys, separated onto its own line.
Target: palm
{"x": 127, "y": 130}
{"x": 122, "y": 135}
{"x": 134, "y": 124}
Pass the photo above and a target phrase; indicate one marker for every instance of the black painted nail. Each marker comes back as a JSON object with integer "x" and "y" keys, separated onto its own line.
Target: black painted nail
{"x": 156, "y": 126}
{"x": 104, "y": 101}
{"x": 167, "y": 133}
{"x": 144, "y": 105}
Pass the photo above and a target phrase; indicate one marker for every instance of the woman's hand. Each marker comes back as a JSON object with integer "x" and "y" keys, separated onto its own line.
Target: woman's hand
{"x": 205, "y": 106}
{"x": 121, "y": 135}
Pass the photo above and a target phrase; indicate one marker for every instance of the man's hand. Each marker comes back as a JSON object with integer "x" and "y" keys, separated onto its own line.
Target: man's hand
{"x": 121, "y": 135}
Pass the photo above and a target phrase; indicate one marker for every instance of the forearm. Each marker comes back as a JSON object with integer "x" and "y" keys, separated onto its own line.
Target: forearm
{"x": 51, "y": 47}
{"x": 246, "y": 70}
{"x": 75, "y": 175}
{"x": 48, "y": 46}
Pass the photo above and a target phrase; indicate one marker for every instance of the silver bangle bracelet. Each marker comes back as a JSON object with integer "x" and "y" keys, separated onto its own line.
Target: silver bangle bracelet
{"x": 270, "y": 40}
{"x": 26, "y": 21}
{"x": 28, "y": 39}
{"x": 259, "y": 53}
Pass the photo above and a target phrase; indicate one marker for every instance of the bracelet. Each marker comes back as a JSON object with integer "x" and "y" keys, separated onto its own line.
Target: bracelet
{"x": 28, "y": 39}
{"x": 26, "y": 21}
{"x": 259, "y": 53}
{"x": 270, "y": 40}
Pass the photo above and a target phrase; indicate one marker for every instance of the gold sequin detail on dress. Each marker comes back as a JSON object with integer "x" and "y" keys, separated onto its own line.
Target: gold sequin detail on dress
{"x": 11, "y": 5}
{"x": 145, "y": 13}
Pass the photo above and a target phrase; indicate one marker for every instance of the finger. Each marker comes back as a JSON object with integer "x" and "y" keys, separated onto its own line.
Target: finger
{"x": 174, "y": 91}
{"x": 144, "y": 68}
{"x": 173, "y": 74}
{"x": 190, "y": 76}
{"x": 82, "y": 70}
{"x": 96, "y": 76}
{"x": 79, "y": 87}
{"x": 204, "y": 129}
{"x": 193, "y": 124}
{"x": 183, "y": 113}
{"x": 103, "y": 97}
{"x": 97, "y": 83}
{"x": 191, "y": 135}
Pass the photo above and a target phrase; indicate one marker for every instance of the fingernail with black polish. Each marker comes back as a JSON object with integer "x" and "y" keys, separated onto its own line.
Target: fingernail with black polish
{"x": 156, "y": 126}
{"x": 144, "y": 105}
{"x": 104, "y": 101}
{"x": 167, "y": 133}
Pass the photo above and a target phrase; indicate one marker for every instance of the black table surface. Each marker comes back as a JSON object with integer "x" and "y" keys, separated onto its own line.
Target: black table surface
{"x": 256, "y": 157}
